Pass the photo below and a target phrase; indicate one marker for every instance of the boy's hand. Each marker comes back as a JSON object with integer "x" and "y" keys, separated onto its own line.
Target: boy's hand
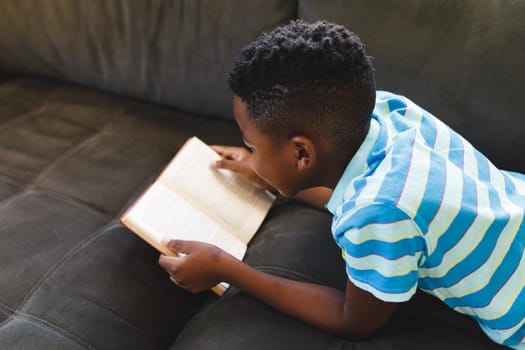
{"x": 199, "y": 266}
{"x": 239, "y": 160}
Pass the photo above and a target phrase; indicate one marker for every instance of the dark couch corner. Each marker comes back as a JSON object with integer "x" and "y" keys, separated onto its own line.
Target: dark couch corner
{"x": 96, "y": 97}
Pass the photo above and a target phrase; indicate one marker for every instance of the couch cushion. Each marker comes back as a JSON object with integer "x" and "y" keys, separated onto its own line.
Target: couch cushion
{"x": 24, "y": 333}
{"x": 461, "y": 60}
{"x": 177, "y": 53}
{"x": 295, "y": 242}
{"x": 241, "y": 322}
{"x": 71, "y": 159}
{"x": 42, "y": 228}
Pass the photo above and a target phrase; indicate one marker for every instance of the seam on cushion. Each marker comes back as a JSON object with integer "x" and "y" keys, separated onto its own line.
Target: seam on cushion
{"x": 122, "y": 319}
{"x": 286, "y": 271}
{"x": 19, "y": 310}
{"x": 59, "y": 196}
{"x": 19, "y": 313}
{"x": 31, "y": 112}
{"x": 76, "y": 248}
{"x": 20, "y": 190}
{"x": 45, "y": 325}
{"x": 9, "y": 199}
{"x": 9, "y": 311}
{"x": 73, "y": 251}
{"x": 70, "y": 151}
{"x": 51, "y": 166}
{"x": 72, "y": 200}
{"x": 10, "y": 181}
{"x": 35, "y": 186}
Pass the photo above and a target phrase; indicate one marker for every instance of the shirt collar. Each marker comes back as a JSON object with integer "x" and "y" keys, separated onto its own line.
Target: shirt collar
{"x": 355, "y": 167}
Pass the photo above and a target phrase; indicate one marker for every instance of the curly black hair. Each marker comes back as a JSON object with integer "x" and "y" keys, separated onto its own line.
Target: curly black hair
{"x": 307, "y": 78}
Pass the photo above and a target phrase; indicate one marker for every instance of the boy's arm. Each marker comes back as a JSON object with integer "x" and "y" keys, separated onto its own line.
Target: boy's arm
{"x": 354, "y": 313}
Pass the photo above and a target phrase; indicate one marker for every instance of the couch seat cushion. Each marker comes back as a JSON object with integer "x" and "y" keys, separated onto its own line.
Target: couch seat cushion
{"x": 71, "y": 160}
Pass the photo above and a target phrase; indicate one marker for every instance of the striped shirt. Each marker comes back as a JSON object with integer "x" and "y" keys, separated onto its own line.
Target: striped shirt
{"x": 420, "y": 207}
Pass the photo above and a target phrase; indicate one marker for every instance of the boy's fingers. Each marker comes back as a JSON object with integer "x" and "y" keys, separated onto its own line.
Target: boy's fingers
{"x": 231, "y": 152}
{"x": 178, "y": 246}
{"x": 228, "y": 164}
{"x": 219, "y": 149}
{"x": 171, "y": 262}
{"x": 168, "y": 263}
{"x": 225, "y": 151}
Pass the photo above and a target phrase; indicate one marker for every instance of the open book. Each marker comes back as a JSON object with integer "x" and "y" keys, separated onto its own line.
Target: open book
{"x": 192, "y": 201}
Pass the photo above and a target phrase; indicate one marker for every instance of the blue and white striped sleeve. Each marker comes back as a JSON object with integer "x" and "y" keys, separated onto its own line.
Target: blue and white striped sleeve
{"x": 382, "y": 248}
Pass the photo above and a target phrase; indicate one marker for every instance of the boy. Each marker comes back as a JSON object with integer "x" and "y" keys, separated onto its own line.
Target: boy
{"x": 414, "y": 204}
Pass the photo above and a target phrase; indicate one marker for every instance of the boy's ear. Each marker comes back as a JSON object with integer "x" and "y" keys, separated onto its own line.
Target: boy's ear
{"x": 304, "y": 152}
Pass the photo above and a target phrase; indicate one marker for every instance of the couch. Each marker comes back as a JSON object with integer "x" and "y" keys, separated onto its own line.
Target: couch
{"x": 96, "y": 97}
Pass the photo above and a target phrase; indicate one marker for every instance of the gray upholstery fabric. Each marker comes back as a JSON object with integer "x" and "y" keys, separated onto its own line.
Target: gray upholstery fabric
{"x": 461, "y": 60}
{"x": 173, "y": 52}
{"x": 241, "y": 322}
{"x": 71, "y": 161}
{"x": 73, "y": 158}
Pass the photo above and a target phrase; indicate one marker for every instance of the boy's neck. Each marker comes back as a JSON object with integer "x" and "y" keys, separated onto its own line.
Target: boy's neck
{"x": 336, "y": 159}
{"x": 332, "y": 164}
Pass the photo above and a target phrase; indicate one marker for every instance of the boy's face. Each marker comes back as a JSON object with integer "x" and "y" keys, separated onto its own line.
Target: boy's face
{"x": 274, "y": 163}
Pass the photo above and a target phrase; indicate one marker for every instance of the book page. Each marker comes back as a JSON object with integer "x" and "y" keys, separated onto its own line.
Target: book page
{"x": 237, "y": 205}
{"x": 163, "y": 215}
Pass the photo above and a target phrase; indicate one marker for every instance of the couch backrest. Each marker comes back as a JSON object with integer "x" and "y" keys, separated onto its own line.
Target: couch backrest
{"x": 464, "y": 61}
{"x": 174, "y": 52}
